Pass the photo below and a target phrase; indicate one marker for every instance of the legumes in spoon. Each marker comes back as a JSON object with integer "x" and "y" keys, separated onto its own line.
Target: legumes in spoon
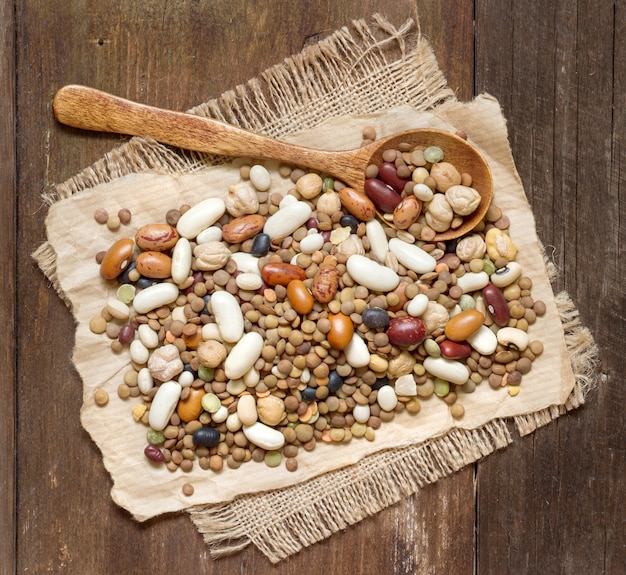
{"x": 90, "y": 109}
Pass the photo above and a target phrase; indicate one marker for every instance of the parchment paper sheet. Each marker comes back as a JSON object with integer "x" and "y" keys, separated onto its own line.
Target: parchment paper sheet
{"x": 147, "y": 491}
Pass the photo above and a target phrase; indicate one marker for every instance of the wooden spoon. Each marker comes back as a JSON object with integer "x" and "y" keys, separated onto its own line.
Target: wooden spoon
{"x": 90, "y": 109}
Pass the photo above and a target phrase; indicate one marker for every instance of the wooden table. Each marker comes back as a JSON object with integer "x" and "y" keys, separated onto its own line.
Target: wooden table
{"x": 552, "y": 502}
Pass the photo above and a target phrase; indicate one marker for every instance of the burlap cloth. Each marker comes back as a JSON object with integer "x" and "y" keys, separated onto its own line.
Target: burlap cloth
{"x": 367, "y": 75}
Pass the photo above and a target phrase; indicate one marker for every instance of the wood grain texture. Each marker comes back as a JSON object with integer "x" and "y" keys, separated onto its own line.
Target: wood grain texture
{"x": 550, "y": 503}
{"x": 8, "y": 208}
{"x": 559, "y": 69}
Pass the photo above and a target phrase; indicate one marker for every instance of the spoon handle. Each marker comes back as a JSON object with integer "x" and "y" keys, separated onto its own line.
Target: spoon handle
{"x": 91, "y": 109}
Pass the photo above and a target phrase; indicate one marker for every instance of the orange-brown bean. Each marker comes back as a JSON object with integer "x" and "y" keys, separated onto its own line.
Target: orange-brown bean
{"x": 341, "y": 330}
{"x": 117, "y": 258}
{"x": 191, "y": 407}
{"x": 300, "y": 297}
{"x": 242, "y": 228}
{"x": 155, "y": 265}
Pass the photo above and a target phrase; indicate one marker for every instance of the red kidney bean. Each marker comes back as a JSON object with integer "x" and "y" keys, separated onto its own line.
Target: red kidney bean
{"x": 384, "y": 197}
{"x": 455, "y": 349}
{"x": 496, "y": 304}
{"x": 406, "y": 331}
{"x": 126, "y": 334}
{"x": 388, "y": 173}
{"x": 153, "y": 453}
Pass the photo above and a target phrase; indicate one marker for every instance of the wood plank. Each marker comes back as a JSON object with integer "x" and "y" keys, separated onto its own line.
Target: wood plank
{"x": 9, "y": 292}
{"x": 559, "y": 75}
{"x": 177, "y": 59}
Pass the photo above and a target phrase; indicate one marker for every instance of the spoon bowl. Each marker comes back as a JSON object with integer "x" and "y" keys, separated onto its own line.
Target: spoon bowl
{"x": 90, "y": 109}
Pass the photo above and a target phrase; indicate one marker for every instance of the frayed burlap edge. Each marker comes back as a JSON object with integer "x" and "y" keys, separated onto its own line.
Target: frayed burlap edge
{"x": 287, "y": 98}
{"x": 341, "y": 498}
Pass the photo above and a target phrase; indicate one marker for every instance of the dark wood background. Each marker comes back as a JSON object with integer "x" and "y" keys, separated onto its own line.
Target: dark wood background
{"x": 551, "y": 503}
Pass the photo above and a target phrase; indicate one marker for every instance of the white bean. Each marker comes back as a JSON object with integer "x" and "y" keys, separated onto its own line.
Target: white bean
{"x": 243, "y": 355}
{"x": 185, "y": 379}
{"x": 357, "y": 353}
{"x": 139, "y": 352}
{"x": 405, "y": 385}
{"x": 200, "y": 216}
{"x": 211, "y": 331}
{"x": 148, "y": 336}
{"x": 228, "y": 316}
{"x": 145, "y": 382}
{"x": 181, "y": 260}
{"x": 233, "y": 423}
{"x": 483, "y": 340}
{"x": 311, "y": 243}
{"x": 372, "y": 275}
{"x": 472, "y": 281}
{"x": 220, "y": 415}
{"x": 249, "y": 281}
{"x": 387, "y": 398}
{"x": 507, "y": 275}
{"x": 251, "y": 378}
{"x": 155, "y": 296}
{"x": 210, "y": 234}
{"x": 377, "y": 237}
{"x": 287, "y": 200}
{"x": 246, "y": 409}
{"x": 411, "y": 256}
{"x": 260, "y": 178}
{"x": 287, "y": 220}
{"x": 235, "y": 386}
{"x": 118, "y": 309}
{"x": 246, "y": 262}
{"x": 448, "y": 369}
{"x": 178, "y": 314}
{"x": 418, "y": 305}
{"x": 163, "y": 404}
{"x": 513, "y": 337}
{"x": 361, "y": 412}
{"x": 264, "y": 436}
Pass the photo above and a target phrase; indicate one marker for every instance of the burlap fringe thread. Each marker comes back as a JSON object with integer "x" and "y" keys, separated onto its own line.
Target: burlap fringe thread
{"x": 287, "y": 98}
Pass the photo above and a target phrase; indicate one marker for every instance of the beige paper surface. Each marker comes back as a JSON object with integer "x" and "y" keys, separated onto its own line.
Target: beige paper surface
{"x": 145, "y": 490}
